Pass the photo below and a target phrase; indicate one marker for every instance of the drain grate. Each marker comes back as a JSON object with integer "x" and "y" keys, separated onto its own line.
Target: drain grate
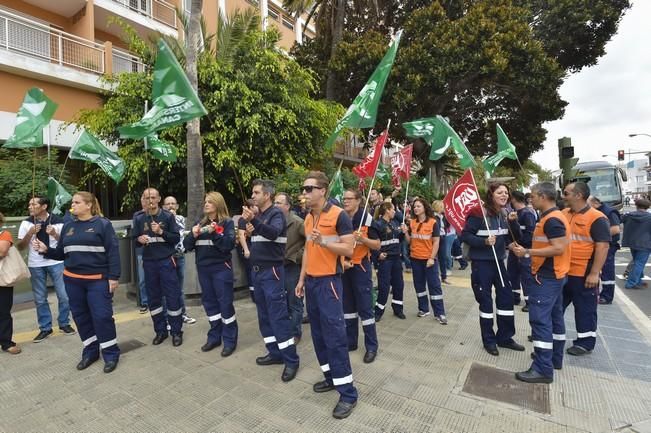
{"x": 129, "y": 345}
{"x": 501, "y": 385}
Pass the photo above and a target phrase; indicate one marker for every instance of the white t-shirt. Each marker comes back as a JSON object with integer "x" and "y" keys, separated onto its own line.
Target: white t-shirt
{"x": 34, "y": 259}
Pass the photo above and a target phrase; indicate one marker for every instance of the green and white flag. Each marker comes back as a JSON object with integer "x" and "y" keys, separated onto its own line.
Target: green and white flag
{"x": 363, "y": 111}
{"x": 88, "y": 148}
{"x": 58, "y": 196}
{"x": 504, "y": 150}
{"x": 438, "y": 133}
{"x": 34, "y": 115}
{"x": 337, "y": 187}
{"x": 175, "y": 101}
{"x": 383, "y": 174}
{"x": 160, "y": 149}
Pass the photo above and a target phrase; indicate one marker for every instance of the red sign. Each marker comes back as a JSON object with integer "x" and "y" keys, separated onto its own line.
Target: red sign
{"x": 460, "y": 200}
{"x": 401, "y": 165}
{"x": 368, "y": 167}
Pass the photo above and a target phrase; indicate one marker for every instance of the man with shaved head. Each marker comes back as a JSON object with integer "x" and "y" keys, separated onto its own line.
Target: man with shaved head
{"x": 156, "y": 229}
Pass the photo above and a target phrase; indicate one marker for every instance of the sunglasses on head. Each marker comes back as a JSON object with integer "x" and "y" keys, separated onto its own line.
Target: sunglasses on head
{"x": 310, "y": 188}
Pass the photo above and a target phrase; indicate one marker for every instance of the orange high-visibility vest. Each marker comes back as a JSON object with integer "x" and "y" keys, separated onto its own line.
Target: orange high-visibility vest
{"x": 562, "y": 262}
{"x": 422, "y": 241}
{"x": 361, "y": 251}
{"x": 582, "y": 244}
{"x": 320, "y": 260}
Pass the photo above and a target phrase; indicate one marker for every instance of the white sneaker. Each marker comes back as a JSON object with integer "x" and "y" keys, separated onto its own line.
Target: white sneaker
{"x": 423, "y": 313}
{"x": 442, "y": 319}
{"x": 189, "y": 320}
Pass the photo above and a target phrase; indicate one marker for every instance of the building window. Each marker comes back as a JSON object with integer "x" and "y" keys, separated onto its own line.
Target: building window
{"x": 273, "y": 13}
{"x": 287, "y": 23}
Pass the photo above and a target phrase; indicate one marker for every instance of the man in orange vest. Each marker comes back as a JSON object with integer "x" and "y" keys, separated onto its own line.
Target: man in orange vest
{"x": 329, "y": 238}
{"x": 550, "y": 262}
{"x": 590, "y": 234}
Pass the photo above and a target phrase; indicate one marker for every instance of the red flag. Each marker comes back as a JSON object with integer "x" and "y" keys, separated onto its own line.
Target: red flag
{"x": 401, "y": 165}
{"x": 368, "y": 167}
{"x": 460, "y": 200}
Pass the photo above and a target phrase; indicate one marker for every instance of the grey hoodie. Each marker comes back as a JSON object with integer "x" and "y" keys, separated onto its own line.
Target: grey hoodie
{"x": 637, "y": 230}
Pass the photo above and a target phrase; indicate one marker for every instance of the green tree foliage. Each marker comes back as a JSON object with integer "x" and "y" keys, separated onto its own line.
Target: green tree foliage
{"x": 263, "y": 118}
{"x": 16, "y": 168}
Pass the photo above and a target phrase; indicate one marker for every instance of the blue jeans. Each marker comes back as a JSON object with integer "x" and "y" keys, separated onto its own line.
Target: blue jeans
{"x": 449, "y": 240}
{"x": 142, "y": 289}
{"x": 39, "y": 288}
{"x": 640, "y": 257}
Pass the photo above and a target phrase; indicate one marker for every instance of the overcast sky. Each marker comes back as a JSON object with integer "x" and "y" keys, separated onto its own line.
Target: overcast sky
{"x": 610, "y": 100}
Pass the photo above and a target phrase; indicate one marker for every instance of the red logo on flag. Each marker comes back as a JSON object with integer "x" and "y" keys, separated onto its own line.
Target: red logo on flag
{"x": 462, "y": 198}
{"x": 401, "y": 165}
{"x": 368, "y": 167}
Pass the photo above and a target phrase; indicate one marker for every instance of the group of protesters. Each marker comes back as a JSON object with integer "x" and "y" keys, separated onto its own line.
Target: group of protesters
{"x": 328, "y": 256}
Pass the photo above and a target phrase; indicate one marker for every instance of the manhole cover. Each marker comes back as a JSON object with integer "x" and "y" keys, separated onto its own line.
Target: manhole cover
{"x": 501, "y": 385}
{"x": 129, "y": 345}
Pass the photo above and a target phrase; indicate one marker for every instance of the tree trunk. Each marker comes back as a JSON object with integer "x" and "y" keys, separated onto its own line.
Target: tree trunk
{"x": 196, "y": 188}
{"x": 337, "y": 35}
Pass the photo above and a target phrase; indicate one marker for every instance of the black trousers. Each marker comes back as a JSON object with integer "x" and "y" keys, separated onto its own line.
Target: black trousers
{"x": 6, "y": 322}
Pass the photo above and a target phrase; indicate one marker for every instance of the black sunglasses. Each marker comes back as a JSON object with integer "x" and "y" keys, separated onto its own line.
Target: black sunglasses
{"x": 310, "y": 188}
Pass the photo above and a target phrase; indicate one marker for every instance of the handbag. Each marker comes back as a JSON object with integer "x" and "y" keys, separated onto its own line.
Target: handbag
{"x": 13, "y": 268}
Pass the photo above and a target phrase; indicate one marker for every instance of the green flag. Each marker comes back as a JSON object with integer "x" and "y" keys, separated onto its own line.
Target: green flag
{"x": 58, "y": 196}
{"x": 363, "y": 110}
{"x": 160, "y": 149}
{"x": 337, "y": 187}
{"x": 504, "y": 150}
{"x": 383, "y": 174}
{"x": 88, "y": 148}
{"x": 175, "y": 101}
{"x": 438, "y": 133}
{"x": 34, "y": 115}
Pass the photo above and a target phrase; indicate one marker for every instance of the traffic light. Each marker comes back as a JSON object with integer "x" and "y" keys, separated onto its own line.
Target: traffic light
{"x": 566, "y": 159}
{"x": 620, "y": 155}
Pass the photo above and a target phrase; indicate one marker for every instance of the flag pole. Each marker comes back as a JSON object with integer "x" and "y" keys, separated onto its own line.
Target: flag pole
{"x": 146, "y": 148}
{"x": 49, "y": 161}
{"x": 368, "y": 196}
{"x": 404, "y": 211}
{"x": 483, "y": 212}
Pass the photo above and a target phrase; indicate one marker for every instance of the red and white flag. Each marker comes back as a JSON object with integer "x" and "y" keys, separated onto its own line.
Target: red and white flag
{"x": 462, "y": 198}
{"x": 401, "y": 165}
{"x": 368, "y": 167}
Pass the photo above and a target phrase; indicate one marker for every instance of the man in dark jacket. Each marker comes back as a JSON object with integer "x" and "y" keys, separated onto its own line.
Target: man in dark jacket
{"x": 637, "y": 236}
{"x": 608, "y": 271}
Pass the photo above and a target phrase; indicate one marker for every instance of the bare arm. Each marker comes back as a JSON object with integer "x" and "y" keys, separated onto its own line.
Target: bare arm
{"x": 558, "y": 245}
{"x": 4, "y": 249}
{"x": 300, "y": 287}
{"x": 600, "y": 253}
{"x": 343, "y": 247}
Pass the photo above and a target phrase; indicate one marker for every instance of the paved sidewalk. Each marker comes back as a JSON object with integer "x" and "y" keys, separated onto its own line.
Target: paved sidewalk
{"x": 415, "y": 385}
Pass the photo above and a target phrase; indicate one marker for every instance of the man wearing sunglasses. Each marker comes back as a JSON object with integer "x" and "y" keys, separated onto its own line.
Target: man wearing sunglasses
{"x": 267, "y": 255}
{"x": 329, "y": 234}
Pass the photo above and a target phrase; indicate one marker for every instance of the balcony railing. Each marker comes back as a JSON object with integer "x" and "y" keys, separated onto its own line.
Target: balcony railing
{"x": 20, "y": 35}
{"x": 158, "y": 10}
{"x": 125, "y": 62}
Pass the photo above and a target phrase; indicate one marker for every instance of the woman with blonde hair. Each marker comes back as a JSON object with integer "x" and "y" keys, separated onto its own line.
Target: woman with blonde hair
{"x": 213, "y": 238}
{"x": 89, "y": 249}
{"x": 438, "y": 208}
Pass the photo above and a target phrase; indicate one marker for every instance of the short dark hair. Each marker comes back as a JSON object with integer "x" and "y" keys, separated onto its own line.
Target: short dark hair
{"x": 582, "y": 188}
{"x": 545, "y": 189}
{"x": 642, "y": 203}
{"x": 518, "y": 196}
{"x": 320, "y": 177}
{"x": 42, "y": 200}
{"x": 357, "y": 193}
{"x": 287, "y": 198}
{"x": 268, "y": 186}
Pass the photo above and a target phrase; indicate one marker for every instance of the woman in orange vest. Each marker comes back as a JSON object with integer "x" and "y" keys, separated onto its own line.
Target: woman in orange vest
{"x": 487, "y": 252}
{"x": 423, "y": 236}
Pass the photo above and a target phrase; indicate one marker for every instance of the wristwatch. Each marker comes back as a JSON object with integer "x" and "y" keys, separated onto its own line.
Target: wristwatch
{"x": 527, "y": 253}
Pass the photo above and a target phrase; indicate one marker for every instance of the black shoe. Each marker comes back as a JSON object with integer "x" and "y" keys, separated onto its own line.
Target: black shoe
{"x": 533, "y": 355}
{"x": 323, "y": 386}
{"x": 289, "y": 373}
{"x": 67, "y": 330}
{"x": 85, "y": 363}
{"x": 602, "y": 301}
{"x": 343, "y": 409}
{"x": 42, "y": 336}
{"x": 492, "y": 350}
{"x": 210, "y": 346}
{"x": 399, "y": 315}
{"x": 525, "y": 308}
{"x": 578, "y": 351}
{"x": 378, "y": 317}
{"x": 352, "y": 348}
{"x": 530, "y": 338}
{"x": 305, "y": 320}
{"x": 227, "y": 351}
{"x": 462, "y": 268}
{"x": 532, "y": 376}
{"x": 512, "y": 345}
{"x": 268, "y": 360}
{"x": 369, "y": 357}
{"x": 110, "y": 366}
{"x": 177, "y": 340}
{"x": 158, "y": 339}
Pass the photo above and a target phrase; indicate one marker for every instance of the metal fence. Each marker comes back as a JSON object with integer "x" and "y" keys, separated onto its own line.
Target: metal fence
{"x": 159, "y": 10}
{"x": 126, "y": 62}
